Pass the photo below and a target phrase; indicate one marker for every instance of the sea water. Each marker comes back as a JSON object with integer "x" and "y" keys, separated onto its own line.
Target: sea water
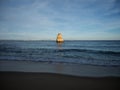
{"x": 92, "y": 52}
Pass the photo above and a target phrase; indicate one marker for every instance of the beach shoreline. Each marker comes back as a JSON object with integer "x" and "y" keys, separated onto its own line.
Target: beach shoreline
{"x": 52, "y": 81}
{"x": 28, "y": 75}
{"x": 60, "y": 68}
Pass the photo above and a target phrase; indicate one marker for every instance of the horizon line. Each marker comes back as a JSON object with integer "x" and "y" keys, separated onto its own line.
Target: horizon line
{"x": 55, "y": 40}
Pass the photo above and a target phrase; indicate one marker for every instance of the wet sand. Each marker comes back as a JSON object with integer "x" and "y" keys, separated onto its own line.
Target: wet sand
{"x": 51, "y": 81}
{"x": 60, "y": 68}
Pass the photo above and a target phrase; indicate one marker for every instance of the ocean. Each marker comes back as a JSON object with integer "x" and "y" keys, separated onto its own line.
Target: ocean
{"x": 90, "y": 52}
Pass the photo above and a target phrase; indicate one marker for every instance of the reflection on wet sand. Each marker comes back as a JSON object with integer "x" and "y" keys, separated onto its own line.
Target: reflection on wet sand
{"x": 59, "y": 67}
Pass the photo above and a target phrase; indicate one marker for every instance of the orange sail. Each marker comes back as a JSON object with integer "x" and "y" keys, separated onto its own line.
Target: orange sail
{"x": 59, "y": 38}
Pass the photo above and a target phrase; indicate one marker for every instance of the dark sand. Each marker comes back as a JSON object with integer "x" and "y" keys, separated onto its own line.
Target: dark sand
{"x": 49, "y": 81}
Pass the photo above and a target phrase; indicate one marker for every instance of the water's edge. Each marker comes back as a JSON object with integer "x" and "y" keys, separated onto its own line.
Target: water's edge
{"x": 68, "y": 69}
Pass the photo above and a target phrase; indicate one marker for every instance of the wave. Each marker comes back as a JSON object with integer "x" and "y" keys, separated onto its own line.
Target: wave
{"x": 70, "y": 61}
{"x": 53, "y": 50}
{"x": 81, "y": 56}
{"x": 89, "y": 51}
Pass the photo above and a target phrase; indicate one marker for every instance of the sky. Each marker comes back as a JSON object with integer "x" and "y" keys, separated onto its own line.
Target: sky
{"x": 75, "y": 19}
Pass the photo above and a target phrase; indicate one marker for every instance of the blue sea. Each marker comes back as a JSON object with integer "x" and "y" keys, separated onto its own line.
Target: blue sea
{"x": 92, "y": 52}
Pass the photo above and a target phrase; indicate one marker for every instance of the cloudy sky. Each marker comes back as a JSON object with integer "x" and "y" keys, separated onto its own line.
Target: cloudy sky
{"x": 75, "y": 19}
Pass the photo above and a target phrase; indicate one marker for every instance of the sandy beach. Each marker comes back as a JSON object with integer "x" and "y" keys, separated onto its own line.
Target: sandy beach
{"x": 48, "y": 81}
{"x": 27, "y": 75}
